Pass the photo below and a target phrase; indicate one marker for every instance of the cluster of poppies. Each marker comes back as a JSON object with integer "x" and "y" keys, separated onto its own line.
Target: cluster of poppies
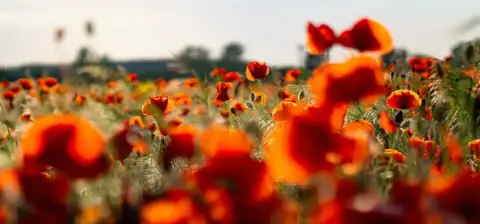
{"x": 358, "y": 144}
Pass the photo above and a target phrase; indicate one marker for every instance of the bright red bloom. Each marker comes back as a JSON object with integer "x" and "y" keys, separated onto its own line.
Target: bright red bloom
{"x": 218, "y": 72}
{"x": 232, "y": 76}
{"x": 158, "y": 103}
{"x": 292, "y": 75}
{"x": 386, "y": 123}
{"x": 182, "y": 144}
{"x": 404, "y": 99}
{"x": 320, "y": 38}
{"x": 132, "y": 77}
{"x": 26, "y": 84}
{"x": 257, "y": 70}
{"x": 367, "y": 35}
{"x": 222, "y": 90}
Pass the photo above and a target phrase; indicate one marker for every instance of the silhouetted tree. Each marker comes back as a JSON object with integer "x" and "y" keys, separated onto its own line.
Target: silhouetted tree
{"x": 232, "y": 52}
{"x": 196, "y": 58}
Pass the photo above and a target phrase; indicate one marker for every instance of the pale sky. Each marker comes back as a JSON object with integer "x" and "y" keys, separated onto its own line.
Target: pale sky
{"x": 270, "y": 29}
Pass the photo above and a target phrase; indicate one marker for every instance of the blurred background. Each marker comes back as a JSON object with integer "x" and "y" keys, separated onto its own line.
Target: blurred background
{"x": 170, "y": 39}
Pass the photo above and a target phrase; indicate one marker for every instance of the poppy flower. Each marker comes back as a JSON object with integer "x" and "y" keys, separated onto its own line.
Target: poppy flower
{"x": 192, "y": 83}
{"x": 110, "y": 98}
{"x": 424, "y": 148}
{"x": 474, "y": 147}
{"x": 453, "y": 149}
{"x": 119, "y": 98}
{"x": 112, "y": 84}
{"x": 132, "y": 77}
{"x": 232, "y": 76}
{"x": 260, "y": 98}
{"x": 428, "y": 113}
{"x": 49, "y": 82}
{"x": 391, "y": 155}
{"x": 296, "y": 143}
{"x": 404, "y": 100}
{"x": 182, "y": 99}
{"x": 257, "y": 70}
{"x": 172, "y": 123}
{"x": 460, "y": 199}
{"x": 80, "y": 100}
{"x": 8, "y": 95}
{"x": 283, "y": 94}
{"x": 25, "y": 117}
{"x": 386, "y": 123}
{"x": 127, "y": 140}
{"x": 15, "y": 89}
{"x": 292, "y": 75}
{"x": 285, "y": 110}
{"x": 359, "y": 78}
{"x": 420, "y": 65}
{"x": 182, "y": 144}
{"x": 25, "y": 83}
{"x": 218, "y": 72}
{"x": 174, "y": 206}
{"x": 222, "y": 90}
{"x": 239, "y": 107}
{"x": 4, "y": 84}
{"x": 59, "y": 141}
{"x": 136, "y": 121}
{"x": 361, "y": 124}
{"x": 319, "y": 38}
{"x": 159, "y": 103}
{"x": 367, "y": 35}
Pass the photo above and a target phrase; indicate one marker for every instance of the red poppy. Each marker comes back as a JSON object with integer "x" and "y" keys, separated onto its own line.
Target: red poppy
{"x": 367, "y": 35}
{"x": 15, "y": 89}
{"x": 59, "y": 141}
{"x": 112, "y": 84}
{"x": 386, "y": 123}
{"x": 474, "y": 147}
{"x": 8, "y": 95}
{"x": 182, "y": 144}
{"x": 218, "y": 72}
{"x": 420, "y": 65}
{"x": 239, "y": 107}
{"x": 404, "y": 100}
{"x": 257, "y": 70}
{"x": 80, "y": 100}
{"x": 319, "y": 38}
{"x": 285, "y": 110}
{"x": 127, "y": 140}
{"x": 49, "y": 82}
{"x": 25, "y": 83}
{"x": 159, "y": 103}
{"x": 222, "y": 90}
{"x": 232, "y": 76}
{"x": 292, "y": 75}
{"x": 359, "y": 78}
{"x": 132, "y": 77}
{"x": 192, "y": 83}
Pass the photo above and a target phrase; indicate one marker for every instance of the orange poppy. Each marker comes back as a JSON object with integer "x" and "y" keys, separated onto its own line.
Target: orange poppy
{"x": 80, "y": 100}
{"x": 175, "y": 206}
{"x": 192, "y": 83}
{"x": 359, "y": 78}
{"x": 181, "y": 144}
{"x": 260, "y": 98}
{"x": 222, "y": 90}
{"x": 361, "y": 124}
{"x": 474, "y": 147}
{"x": 4, "y": 84}
{"x": 59, "y": 141}
{"x": 172, "y": 123}
{"x": 386, "y": 123}
{"x": 296, "y": 143}
{"x": 292, "y": 75}
{"x": 239, "y": 107}
{"x": 319, "y": 38}
{"x": 424, "y": 148}
{"x": 112, "y": 84}
{"x": 132, "y": 77}
{"x": 404, "y": 100}
{"x": 257, "y": 70}
{"x": 136, "y": 121}
{"x": 285, "y": 110}
{"x": 49, "y": 82}
{"x": 160, "y": 103}
{"x": 367, "y": 35}
{"x": 218, "y": 72}
{"x": 232, "y": 76}
{"x": 25, "y": 83}
{"x": 392, "y": 155}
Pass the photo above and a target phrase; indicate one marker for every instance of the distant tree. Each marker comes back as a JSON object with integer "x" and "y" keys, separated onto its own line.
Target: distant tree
{"x": 232, "y": 52}
{"x": 196, "y": 58}
{"x": 83, "y": 57}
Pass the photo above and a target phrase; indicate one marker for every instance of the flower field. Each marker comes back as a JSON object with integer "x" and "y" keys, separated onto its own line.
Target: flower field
{"x": 355, "y": 141}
